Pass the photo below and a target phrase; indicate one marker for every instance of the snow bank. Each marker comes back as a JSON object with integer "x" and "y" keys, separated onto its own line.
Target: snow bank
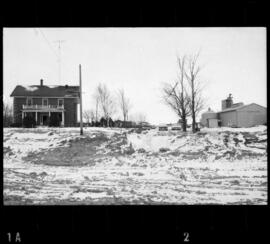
{"x": 207, "y": 143}
{"x": 153, "y": 141}
{"x": 138, "y": 177}
{"x": 108, "y": 131}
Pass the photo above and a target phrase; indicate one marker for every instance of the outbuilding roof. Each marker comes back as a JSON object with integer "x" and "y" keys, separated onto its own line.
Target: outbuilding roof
{"x": 46, "y": 91}
{"x": 238, "y": 108}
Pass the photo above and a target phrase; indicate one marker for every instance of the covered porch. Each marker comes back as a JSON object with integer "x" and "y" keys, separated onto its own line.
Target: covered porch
{"x": 43, "y": 117}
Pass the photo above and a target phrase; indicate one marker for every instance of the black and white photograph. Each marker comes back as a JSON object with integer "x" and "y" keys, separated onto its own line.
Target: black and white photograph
{"x": 134, "y": 116}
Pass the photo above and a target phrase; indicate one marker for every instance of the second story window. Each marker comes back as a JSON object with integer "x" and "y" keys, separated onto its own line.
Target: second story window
{"x": 45, "y": 101}
{"x": 60, "y": 102}
{"x": 29, "y": 101}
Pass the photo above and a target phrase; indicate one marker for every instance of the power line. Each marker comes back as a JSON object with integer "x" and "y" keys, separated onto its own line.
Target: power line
{"x": 59, "y": 59}
{"x": 49, "y": 44}
{"x": 58, "y": 56}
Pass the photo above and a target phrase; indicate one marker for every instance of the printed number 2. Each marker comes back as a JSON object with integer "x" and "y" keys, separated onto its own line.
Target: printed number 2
{"x": 186, "y": 236}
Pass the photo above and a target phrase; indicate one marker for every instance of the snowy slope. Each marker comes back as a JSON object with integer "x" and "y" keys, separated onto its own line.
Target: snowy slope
{"x": 108, "y": 166}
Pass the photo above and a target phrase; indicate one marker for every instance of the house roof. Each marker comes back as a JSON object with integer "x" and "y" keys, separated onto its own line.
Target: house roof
{"x": 238, "y": 108}
{"x": 46, "y": 91}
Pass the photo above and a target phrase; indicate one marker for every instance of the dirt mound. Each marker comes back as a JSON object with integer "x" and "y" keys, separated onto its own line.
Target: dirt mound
{"x": 83, "y": 150}
{"x": 79, "y": 151}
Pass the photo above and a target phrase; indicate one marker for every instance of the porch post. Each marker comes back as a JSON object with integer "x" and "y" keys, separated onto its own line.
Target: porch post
{"x": 22, "y": 115}
{"x": 36, "y": 117}
{"x": 63, "y": 118}
{"x": 49, "y": 114}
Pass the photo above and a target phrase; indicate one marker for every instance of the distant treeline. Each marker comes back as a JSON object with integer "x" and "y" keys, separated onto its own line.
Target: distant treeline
{"x": 117, "y": 123}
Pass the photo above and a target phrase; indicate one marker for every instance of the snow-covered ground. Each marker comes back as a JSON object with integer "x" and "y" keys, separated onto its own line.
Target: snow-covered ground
{"x": 115, "y": 166}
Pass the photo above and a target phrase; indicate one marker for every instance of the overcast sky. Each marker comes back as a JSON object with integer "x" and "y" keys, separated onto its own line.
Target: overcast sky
{"x": 139, "y": 60}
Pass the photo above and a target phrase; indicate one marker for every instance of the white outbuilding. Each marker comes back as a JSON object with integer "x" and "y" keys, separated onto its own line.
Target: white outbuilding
{"x": 209, "y": 119}
{"x": 235, "y": 115}
{"x": 244, "y": 116}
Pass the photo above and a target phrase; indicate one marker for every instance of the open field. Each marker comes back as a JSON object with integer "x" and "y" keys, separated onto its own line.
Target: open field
{"x": 113, "y": 166}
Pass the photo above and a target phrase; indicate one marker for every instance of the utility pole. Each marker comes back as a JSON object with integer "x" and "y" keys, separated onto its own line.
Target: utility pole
{"x": 59, "y": 58}
{"x": 80, "y": 76}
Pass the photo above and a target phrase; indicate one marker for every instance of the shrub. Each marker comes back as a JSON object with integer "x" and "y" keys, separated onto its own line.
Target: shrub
{"x": 97, "y": 124}
{"x": 141, "y": 150}
{"x": 163, "y": 128}
{"x": 16, "y": 125}
{"x": 163, "y": 149}
{"x": 54, "y": 120}
{"x": 104, "y": 123}
{"x": 176, "y": 128}
{"x": 7, "y": 121}
{"x": 29, "y": 122}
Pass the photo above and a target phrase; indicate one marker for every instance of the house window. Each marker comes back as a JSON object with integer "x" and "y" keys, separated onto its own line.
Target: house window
{"x": 60, "y": 102}
{"x": 45, "y": 101}
{"x": 29, "y": 101}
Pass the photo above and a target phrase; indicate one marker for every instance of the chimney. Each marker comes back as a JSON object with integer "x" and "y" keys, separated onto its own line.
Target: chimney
{"x": 227, "y": 103}
{"x": 41, "y": 82}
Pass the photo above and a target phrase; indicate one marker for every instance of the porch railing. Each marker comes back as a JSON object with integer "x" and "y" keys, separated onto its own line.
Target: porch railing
{"x": 43, "y": 106}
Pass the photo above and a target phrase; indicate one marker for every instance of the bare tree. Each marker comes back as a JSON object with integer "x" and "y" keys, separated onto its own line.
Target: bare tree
{"x": 125, "y": 105}
{"x": 176, "y": 96}
{"x": 89, "y": 115}
{"x": 86, "y": 115}
{"x": 195, "y": 84}
{"x": 92, "y": 116}
{"x": 7, "y": 114}
{"x": 106, "y": 101}
{"x": 96, "y": 99}
{"x": 138, "y": 117}
{"x": 141, "y": 117}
